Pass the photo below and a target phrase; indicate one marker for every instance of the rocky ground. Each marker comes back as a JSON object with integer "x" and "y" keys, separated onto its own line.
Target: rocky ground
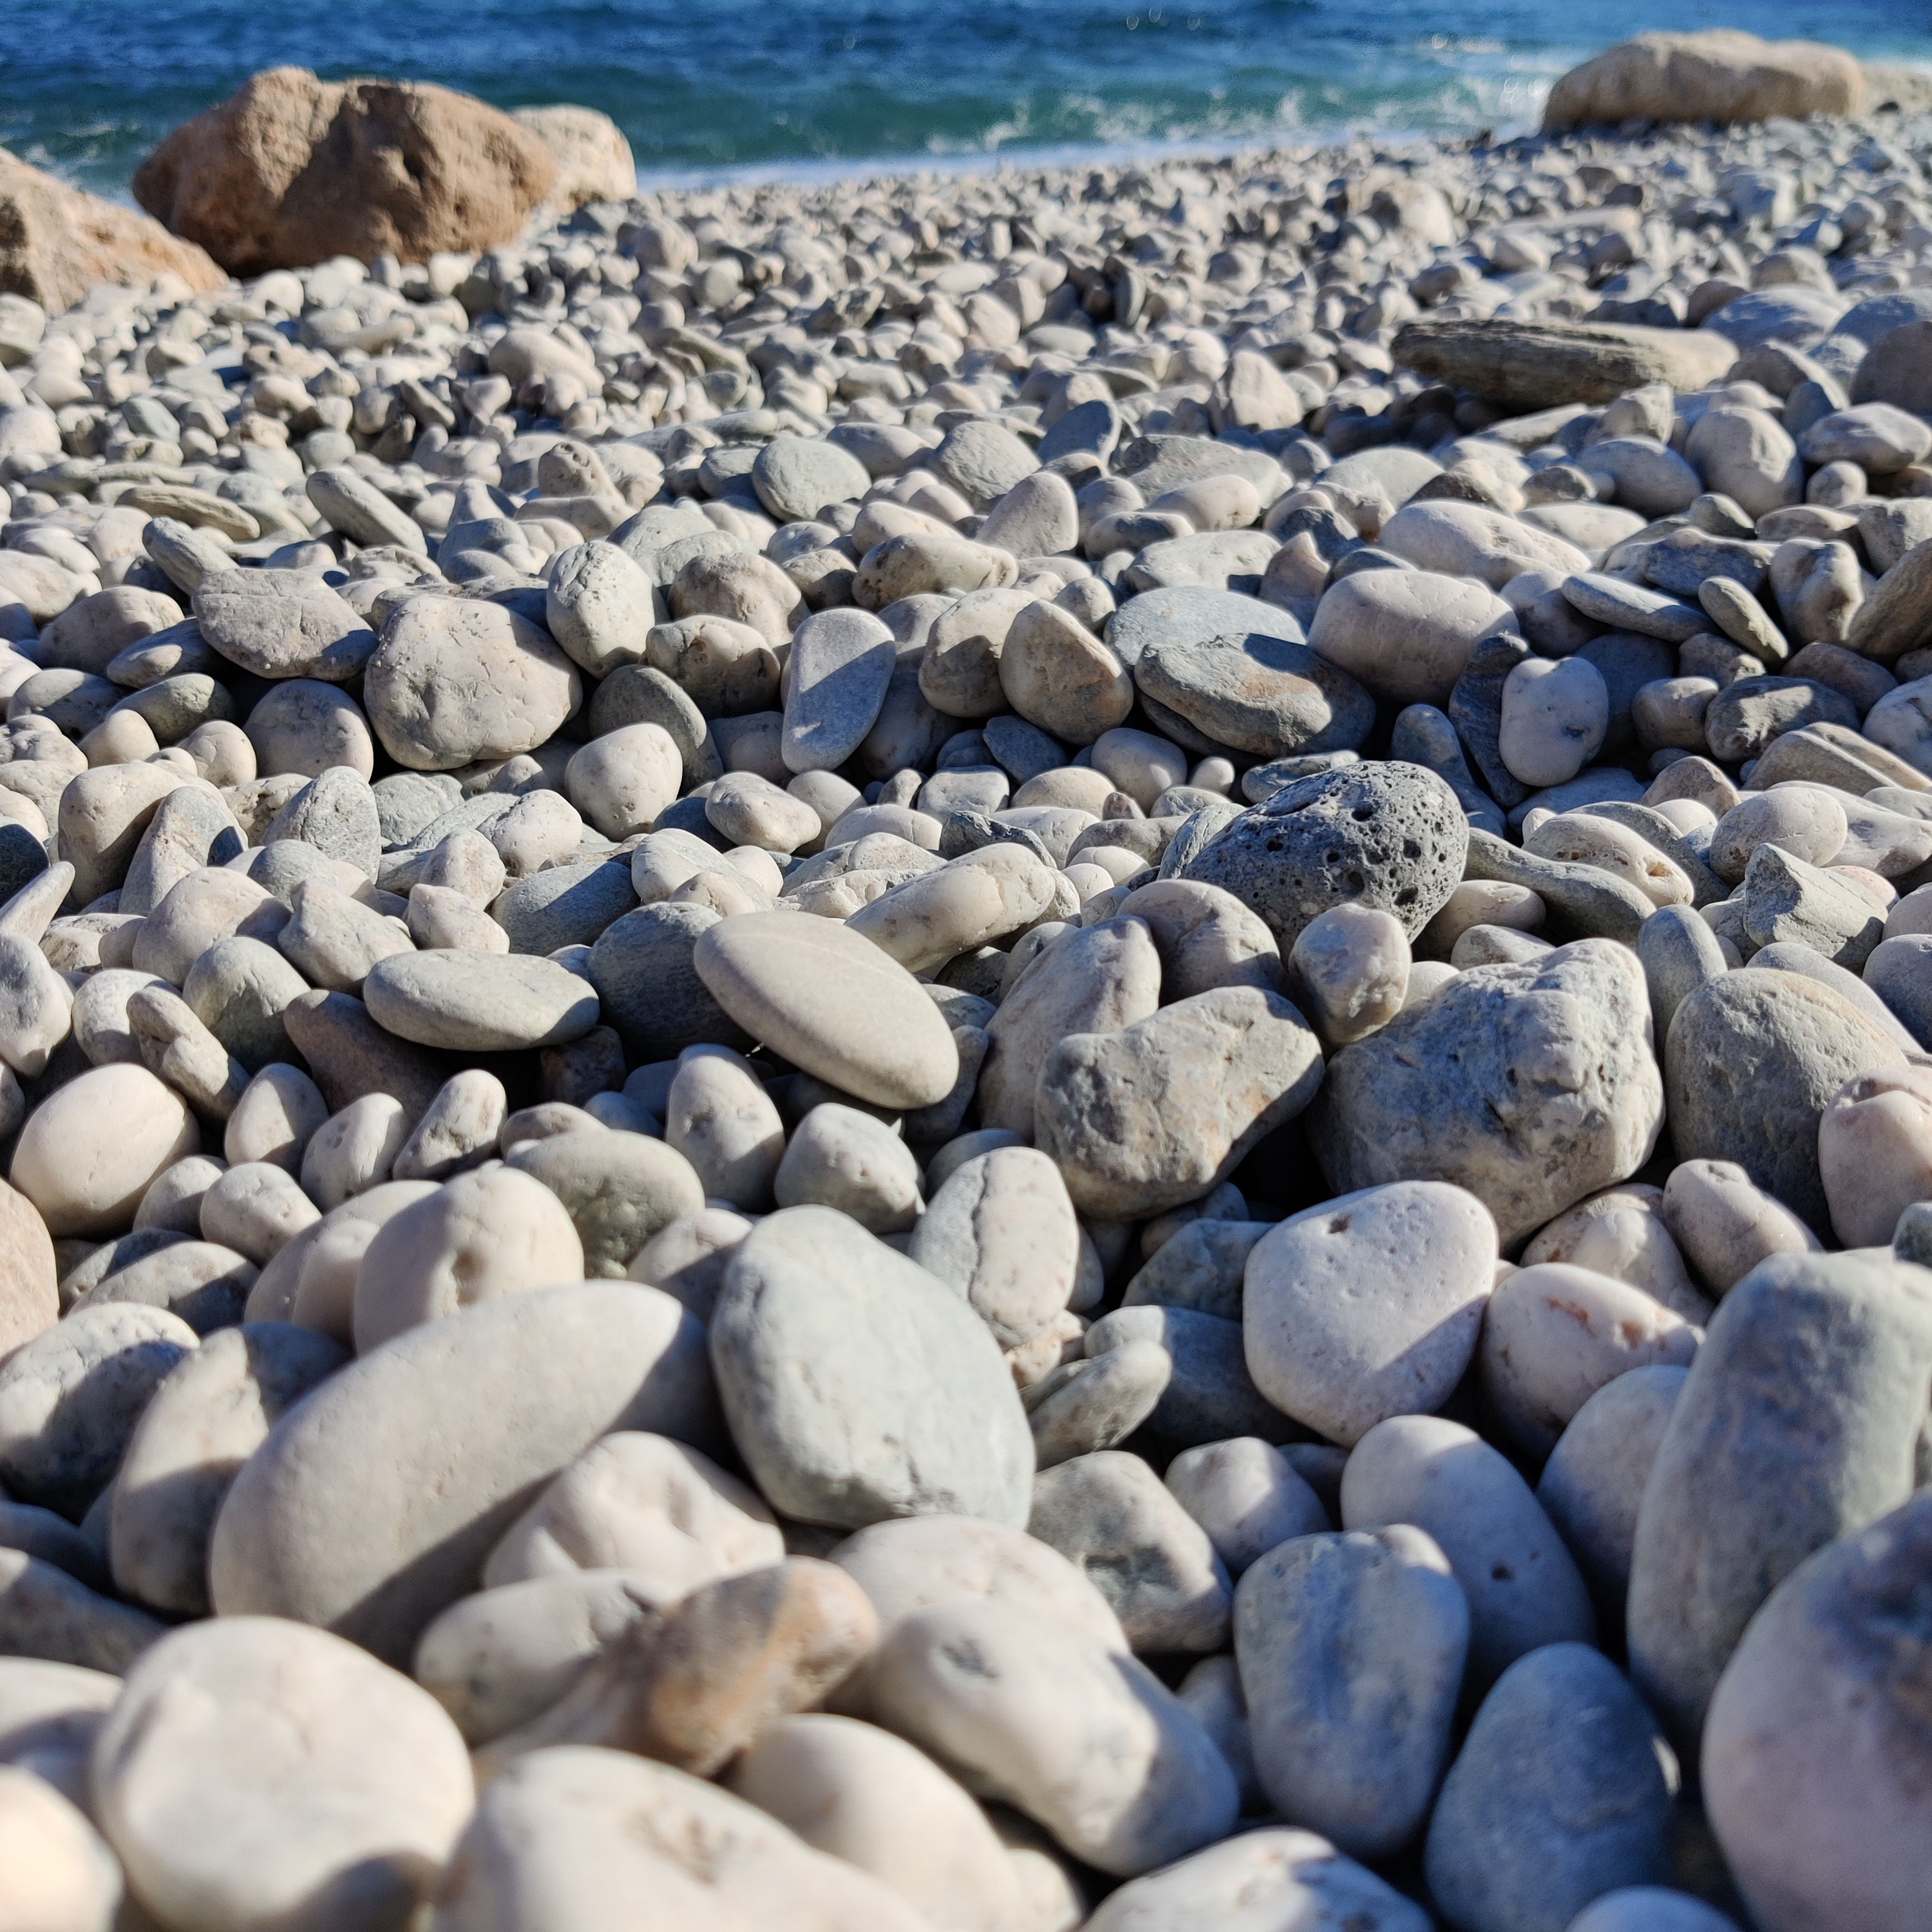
{"x": 996, "y": 1054}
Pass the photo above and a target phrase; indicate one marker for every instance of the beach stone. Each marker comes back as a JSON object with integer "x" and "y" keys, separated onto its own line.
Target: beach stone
{"x": 1277, "y": 858}
{"x": 326, "y": 1523}
{"x": 840, "y": 665}
{"x": 623, "y": 780}
{"x": 1524, "y": 1589}
{"x": 1622, "y": 1232}
{"x": 1276, "y": 1877}
{"x": 618, "y": 1189}
{"x": 720, "y": 1119}
{"x": 1811, "y": 1761}
{"x": 1351, "y": 1649}
{"x": 335, "y": 941}
{"x": 1370, "y": 1305}
{"x": 1522, "y": 366}
{"x": 458, "y": 1129}
{"x": 1558, "y": 1048}
{"x": 1725, "y": 1224}
{"x": 1746, "y": 717}
{"x": 49, "y": 1616}
{"x": 479, "y": 1237}
{"x": 1001, "y": 1231}
{"x": 1061, "y": 678}
{"x": 796, "y": 476}
{"x": 190, "y": 828}
{"x": 869, "y": 1798}
{"x": 279, "y": 1112}
{"x": 302, "y": 726}
{"x": 1563, "y": 1790}
{"x": 973, "y": 900}
{"x": 1708, "y": 1552}
{"x": 1553, "y": 1334}
{"x": 599, "y": 607}
{"x": 336, "y": 1036}
{"x": 90, "y": 1151}
{"x": 642, "y": 967}
{"x": 1206, "y": 937}
{"x": 1584, "y": 838}
{"x": 1719, "y": 75}
{"x": 1082, "y": 1739}
{"x": 1874, "y": 1142}
{"x": 839, "y": 1157}
{"x": 1208, "y": 1394}
{"x": 1804, "y": 821}
{"x": 695, "y": 1686}
{"x": 560, "y": 1832}
{"x": 1649, "y": 1908}
{"x": 1349, "y": 968}
{"x": 273, "y": 1716}
{"x": 1786, "y": 901}
{"x": 1678, "y": 952}
{"x": 102, "y": 814}
{"x": 1752, "y": 1061}
{"x": 1592, "y": 1486}
{"x": 1246, "y": 1495}
{"x": 71, "y": 1397}
{"x": 833, "y": 1004}
{"x": 283, "y": 623}
{"x": 668, "y": 1517}
{"x": 1110, "y": 1516}
{"x": 1161, "y": 1112}
{"x": 60, "y": 1871}
{"x": 29, "y": 1297}
{"x": 940, "y": 1431}
{"x": 203, "y": 1283}
{"x": 1099, "y": 979}
{"x": 455, "y": 681}
{"x": 1406, "y": 636}
{"x": 212, "y": 1411}
{"x": 1199, "y": 1266}
{"x": 1555, "y": 714}
{"x": 1257, "y": 693}
{"x": 688, "y": 1258}
{"x": 500, "y": 1658}
{"x": 479, "y": 1002}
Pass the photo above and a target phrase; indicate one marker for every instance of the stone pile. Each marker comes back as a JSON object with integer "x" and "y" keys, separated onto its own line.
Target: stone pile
{"x": 1041, "y": 1051}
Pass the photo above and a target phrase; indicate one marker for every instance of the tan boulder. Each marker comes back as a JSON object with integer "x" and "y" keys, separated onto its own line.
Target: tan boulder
{"x": 1722, "y": 75}
{"x": 57, "y": 242}
{"x": 594, "y": 161}
{"x": 292, "y": 170}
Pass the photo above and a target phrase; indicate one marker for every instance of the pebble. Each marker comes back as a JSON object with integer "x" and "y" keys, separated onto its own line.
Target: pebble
{"x": 1523, "y": 1587}
{"x": 1085, "y": 1741}
{"x": 1563, "y": 1790}
{"x": 1707, "y": 1554}
{"x": 691, "y": 577}
{"x": 302, "y": 1813}
{"x": 1351, "y": 1649}
{"x": 908, "y": 1409}
{"x": 1369, "y": 1307}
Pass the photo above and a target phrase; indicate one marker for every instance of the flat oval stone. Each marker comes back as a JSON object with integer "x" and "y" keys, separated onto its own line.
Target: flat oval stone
{"x": 833, "y": 1004}
{"x": 1259, "y": 693}
{"x": 1185, "y": 615}
{"x": 329, "y": 1522}
{"x": 841, "y": 662}
{"x": 283, "y": 623}
{"x": 479, "y": 1002}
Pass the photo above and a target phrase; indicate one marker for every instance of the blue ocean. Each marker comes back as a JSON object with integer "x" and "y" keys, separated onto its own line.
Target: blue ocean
{"x": 707, "y": 88}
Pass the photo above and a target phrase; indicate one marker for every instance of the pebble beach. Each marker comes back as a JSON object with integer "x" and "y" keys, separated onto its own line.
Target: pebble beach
{"x": 988, "y": 1052}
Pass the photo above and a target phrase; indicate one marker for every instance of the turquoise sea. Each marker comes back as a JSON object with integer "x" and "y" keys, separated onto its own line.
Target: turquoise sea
{"x": 711, "y": 87}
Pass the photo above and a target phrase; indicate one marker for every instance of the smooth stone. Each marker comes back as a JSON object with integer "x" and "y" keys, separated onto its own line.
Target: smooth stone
{"x": 61, "y": 1872}
{"x": 268, "y": 1723}
{"x": 1751, "y": 1062}
{"x": 1085, "y": 1741}
{"x": 1592, "y": 1486}
{"x": 326, "y": 1522}
{"x": 719, "y": 1118}
{"x": 841, "y": 662}
{"x": 90, "y": 1151}
{"x": 1001, "y": 1231}
{"x": 478, "y": 1002}
{"x": 238, "y": 989}
{"x": 1725, "y": 1225}
{"x": 1246, "y": 1495}
{"x": 1257, "y": 693}
{"x": 1563, "y": 1790}
{"x": 1782, "y": 1465}
{"x": 212, "y": 1411}
{"x": 561, "y": 1832}
{"x": 1351, "y": 1649}
{"x": 1554, "y": 1334}
{"x": 970, "y": 901}
{"x": 1276, "y": 1879}
{"x": 1524, "y": 1589}
{"x": 1370, "y": 1305}
{"x": 283, "y": 623}
{"x": 618, "y": 1189}
{"x": 1208, "y": 1393}
{"x": 908, "y": 1408}
{"x": 1623, "y": 1232}
{"x": 1555, "y": 715}
{"x": 203, "y": 1283}
{"x": 832, "y": 1003}
{"x": 1587, "y": 901}
{"x": 1406, "y": 636}
{"x": 1649, "y": 1908}
{"x": 642, "y": 966}
{"x": 1679, "y": 953}
{"x": 477, "y": 1238}
{"x": 1813, "y": 1764}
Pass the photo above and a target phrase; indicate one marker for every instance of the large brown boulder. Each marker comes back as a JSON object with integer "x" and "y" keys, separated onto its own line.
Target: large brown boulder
{"x": 594, "y": 161}
{"x": 292, "y": 170}
{"x": 1723, "y": 75}
{"x": 56, "y": 242}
